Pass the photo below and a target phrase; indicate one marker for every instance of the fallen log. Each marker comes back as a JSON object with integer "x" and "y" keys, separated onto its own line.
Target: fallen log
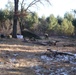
{"x": 40, "y": 43}
{"x": 55, "y": 52}
{"x": 49, "y": 43}
{"x": 69, "y": 45}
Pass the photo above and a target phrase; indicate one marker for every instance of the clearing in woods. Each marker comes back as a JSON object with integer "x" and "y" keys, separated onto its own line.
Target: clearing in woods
{"x": 29, "y": 58}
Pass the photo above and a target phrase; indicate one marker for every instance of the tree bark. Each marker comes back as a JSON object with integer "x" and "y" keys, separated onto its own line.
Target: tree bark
{"x": 15, "y": 19}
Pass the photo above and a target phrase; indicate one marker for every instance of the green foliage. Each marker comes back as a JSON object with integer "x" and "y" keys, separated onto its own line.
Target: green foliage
{"x": 2, "y": 15}
{"x": 69, "y": 16}
{"x": 59, "y": 20}
{"x": 67, "y": 27}
{"x": 52, "y": 21}
{"x": 51, "y": 24}
{"x": 6, "y": 14}
{"x": 70, "y": 29}
{"x": 34, "y": 18}
{"x": 43, "y": 25}
{"x": 10, "y": 15}
{"x": 57, "y": 29}
{"x": 31, "y": 20}
{"x": 74, "y": 22}
{"x": 64, "y": 26}
{"x": 5, "y": 24}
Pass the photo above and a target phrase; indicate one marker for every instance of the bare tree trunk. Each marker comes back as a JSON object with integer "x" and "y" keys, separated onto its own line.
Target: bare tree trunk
{"x": 20, "y": 23}
{"x": 15, "y": 18}
{"x": 21, "y": 18}
{"x": 16, "y": 11}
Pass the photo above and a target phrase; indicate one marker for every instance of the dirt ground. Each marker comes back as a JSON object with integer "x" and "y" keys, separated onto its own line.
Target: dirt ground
{"x": 27, "y": 58}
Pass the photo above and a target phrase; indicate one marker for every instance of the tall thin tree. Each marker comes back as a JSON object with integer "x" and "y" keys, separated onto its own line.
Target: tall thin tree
{"x": 15, "y": 18}
{"x": 33, "y": 2}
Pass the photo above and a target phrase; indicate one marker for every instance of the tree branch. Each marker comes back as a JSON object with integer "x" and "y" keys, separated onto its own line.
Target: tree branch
{"x": 36, "y": 1}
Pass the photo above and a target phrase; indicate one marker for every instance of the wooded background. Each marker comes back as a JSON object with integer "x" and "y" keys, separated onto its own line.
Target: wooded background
{"x": 11, "y": 17}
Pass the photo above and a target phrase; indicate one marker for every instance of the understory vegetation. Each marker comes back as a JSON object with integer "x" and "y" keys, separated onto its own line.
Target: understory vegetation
{"x": 51, "y": 25}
